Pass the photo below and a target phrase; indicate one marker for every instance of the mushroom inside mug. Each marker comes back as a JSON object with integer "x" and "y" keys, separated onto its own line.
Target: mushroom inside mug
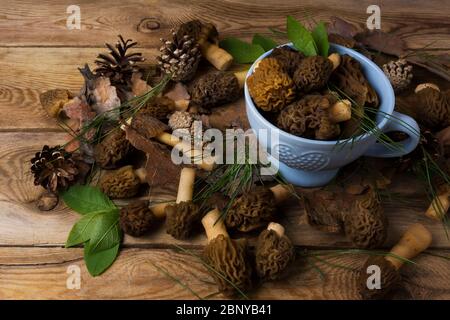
{"x": 312, "y": 163}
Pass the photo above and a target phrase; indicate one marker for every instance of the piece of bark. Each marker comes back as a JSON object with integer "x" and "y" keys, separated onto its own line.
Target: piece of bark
{"x": 161, "y": 171}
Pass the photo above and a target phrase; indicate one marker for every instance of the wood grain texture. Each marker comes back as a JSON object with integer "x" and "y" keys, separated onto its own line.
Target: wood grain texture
{"x": 41, "y": 273}
{"x": 27, "y": 72}
{"x": 21, "y": 223}
{"x": 43, "y": 23}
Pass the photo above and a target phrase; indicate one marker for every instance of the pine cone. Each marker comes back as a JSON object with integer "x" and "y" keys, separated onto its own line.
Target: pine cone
{"x": 53, "y": 168}
{"x": 399, "y": 73}
{"x": 179, "y": 57}
{"x": 119, "y": 64}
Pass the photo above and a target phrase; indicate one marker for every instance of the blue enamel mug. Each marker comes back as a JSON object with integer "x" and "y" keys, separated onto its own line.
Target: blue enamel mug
{"x": 312, "y": 163}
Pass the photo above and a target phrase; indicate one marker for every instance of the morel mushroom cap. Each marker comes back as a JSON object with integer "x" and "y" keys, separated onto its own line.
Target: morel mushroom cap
{"x": 416, "y": 239}
{"x": 136, "y": 218}
{"x": 252, "y": 210}
{"x": 54, "y": 100}
{"x": 315, "y": 117}
{"x": 270, "y": 86}
{"x": 390, "y": 278}
{"x": 215, "y": 88}
{"x": 121, "y": 183}
{"x": 182, "y": 216}
{"x": 365, "y": 224}
{"x": 312, "y": 73}
{"x": 207, "y": 37}
{"x": 228, "y": 258}
{"x": 433, "y": 107}
{"x": 158, "y": 107}
{"x": 112, "y": 149}
{"x": 274, "y": 252}
{"x": 255, "y": 208}
{"x": 288, "y": 58}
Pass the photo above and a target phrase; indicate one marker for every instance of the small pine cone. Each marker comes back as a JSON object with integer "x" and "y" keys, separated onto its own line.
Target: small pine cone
{"x": 136, "y": 218}
{"x": 399, "y": 73}
{"x": 53, "y": 168}
{"x": 179, "y": 57}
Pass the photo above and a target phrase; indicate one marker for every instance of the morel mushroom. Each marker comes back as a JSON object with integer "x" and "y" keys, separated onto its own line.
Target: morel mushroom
{"x": 288, "y": 58}
{"x": 274, "y": 252}
{"x": 112, "y": 149}
{"x": 359, "y": 216}
{"x": 255, "y": 208}
{"x": 54, "y": 100}
{"x": 206, "y": 36}
{"x": 182, "y": 216}
{"x": 122, "y": 183}
{"x": 315, "y": 117}
{"x": 270, "y": 87}
{"x": 415, "y": 240}
{"x": 216, "y": 88}
{"x": 312, "y": 73}
{"x": 227, "y": 257}
{"x": 159, "y": 107}
{"x": 136, "y": 218}
{"x": 433, "y": 106}
{"x": 440, "y": 204}
{"x": 365, "y": 223}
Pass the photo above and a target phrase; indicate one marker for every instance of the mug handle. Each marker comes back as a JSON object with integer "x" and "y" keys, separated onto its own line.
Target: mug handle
{"x": 397, "y": 122}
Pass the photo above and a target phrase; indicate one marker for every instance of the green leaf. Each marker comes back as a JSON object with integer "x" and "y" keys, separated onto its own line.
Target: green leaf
{"x": 87, "y": 199}
{"x": 266, "y": 43}
{"x": 241, "y": 51}
{"x": 81, "y": 231}
{"x": 98, "y": 262}
{"x": 320, "y": 36}
{"x": 106, "y": 233}
{"x": 301, "y": 38}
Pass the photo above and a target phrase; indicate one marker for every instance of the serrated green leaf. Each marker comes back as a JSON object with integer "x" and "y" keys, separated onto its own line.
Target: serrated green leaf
{"x": 320, "y": 36}
{"x": 106, "y": 232}
{"x": 87, "y": 199}
{"x": 98, "y": 262}
{"x": 265, "y": 42}
{"x": 241, "y": 51}
{"x": 301, "y": 38}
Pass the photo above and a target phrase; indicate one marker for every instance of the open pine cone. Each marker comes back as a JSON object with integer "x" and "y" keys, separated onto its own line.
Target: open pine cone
{"x": 53, "y": 168}
{"x": 119, "y": 64}
{"x": 399, "y": 73}
{"x": 179, "y": 57}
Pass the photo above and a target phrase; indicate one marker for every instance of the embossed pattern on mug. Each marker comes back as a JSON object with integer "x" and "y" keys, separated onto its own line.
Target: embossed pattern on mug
{"x": 310, "y": 161}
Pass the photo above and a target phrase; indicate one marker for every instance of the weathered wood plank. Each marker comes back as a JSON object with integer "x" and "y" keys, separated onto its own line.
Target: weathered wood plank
{"x": 41, "y": 273}
{"x": 43, "y": 23}
{"x": 23, "y": 224}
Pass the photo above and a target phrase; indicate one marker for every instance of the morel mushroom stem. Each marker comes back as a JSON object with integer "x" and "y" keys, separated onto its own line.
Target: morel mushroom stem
{"x": 280, "y": 192}
{"x": 158, "y": 210}
{"x": 439, "y": 206}
{"x": 217, "y": 56}
{"x": 422, "y": 86}
{"x": 415, "y": 240}
{"x": 196, "y": 154}
{"x": 186, "y": 186}
{"x": 341, "y": 111}
{"x": 214, "y": 225}
{"x": 240, "y": 76}
{"x": 335, "y": 58}
{"x": 278, "y": 228}
{"x": 141, "y": 173}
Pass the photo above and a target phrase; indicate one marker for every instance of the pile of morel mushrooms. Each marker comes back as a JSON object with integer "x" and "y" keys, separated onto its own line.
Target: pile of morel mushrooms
{"x": 122, "y": 122}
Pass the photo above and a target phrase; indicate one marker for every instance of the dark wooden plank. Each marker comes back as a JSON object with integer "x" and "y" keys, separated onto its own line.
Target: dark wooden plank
{"x": 43, "y": 23}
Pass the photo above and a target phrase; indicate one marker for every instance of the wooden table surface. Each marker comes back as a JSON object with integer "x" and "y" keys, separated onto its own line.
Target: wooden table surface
{"x": 38, "y": 53}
